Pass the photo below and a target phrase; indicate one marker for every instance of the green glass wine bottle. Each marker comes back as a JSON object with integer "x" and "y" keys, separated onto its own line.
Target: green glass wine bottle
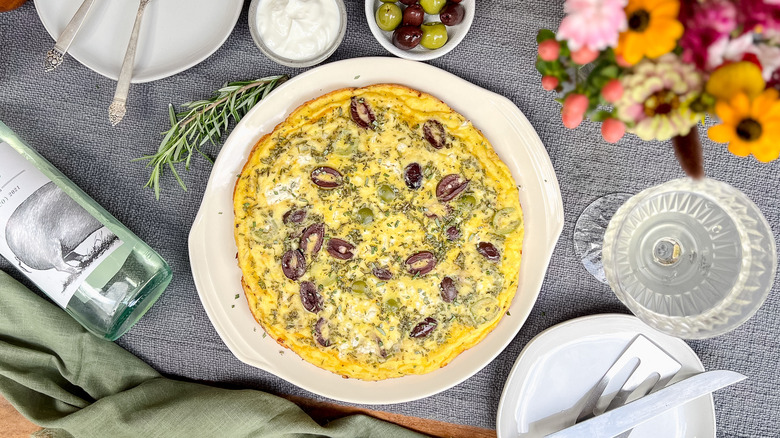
{"x": 83, "y": 258}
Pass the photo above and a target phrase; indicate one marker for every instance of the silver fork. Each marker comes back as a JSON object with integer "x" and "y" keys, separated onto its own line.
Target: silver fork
{"x": 649, "y": 369}
{"x": 117, "y": 109}
{"x": 55, "y": 56}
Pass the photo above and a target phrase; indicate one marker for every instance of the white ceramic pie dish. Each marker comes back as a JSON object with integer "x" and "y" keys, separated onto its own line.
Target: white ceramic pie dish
{"x": 213, "y": 250}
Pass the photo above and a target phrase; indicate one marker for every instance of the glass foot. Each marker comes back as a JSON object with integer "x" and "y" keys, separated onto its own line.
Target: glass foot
{"x": 589, "y": 232}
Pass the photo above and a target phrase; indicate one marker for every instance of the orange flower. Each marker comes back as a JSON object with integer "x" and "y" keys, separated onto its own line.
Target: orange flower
{"x": 653, "y": 30}
{"x": 750, "y": 126}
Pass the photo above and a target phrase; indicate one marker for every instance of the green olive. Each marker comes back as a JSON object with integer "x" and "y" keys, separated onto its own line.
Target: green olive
{"x": 389, "y": 16}
{"x": 505, "y": 221}
{"x": 393, "y": 305}
{"x": 365, "y": 216}
{"x": 484, "y": 310}
{"x": 386, "y": 193}
{"x": 467, "y": 202}
{"x": 359, "y": 287}
{"x": 432, "y": 7}
{"x": 434, "y": 35}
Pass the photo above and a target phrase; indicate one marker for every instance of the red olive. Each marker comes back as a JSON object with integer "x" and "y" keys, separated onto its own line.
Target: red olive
{"x": 450, "y": 186}
{"x": 424, "y": 328}
{"x": 341, "y": 249}
{"x": 409, "y": 2}
{"x": 293, "y": 264}
{"x": 310, "y": 297}
{"x": 361, "y": 113}
{"x": 489, "y": 251}
{"x": 382, "y": 273}
{"x": 421, "y": 263}
{"x": 413, "y": 16}
{"x": 452, "y": 14}
{"x": 448, "y": 289}
{"x": 453, "y": 233}
{"x": 407, "y": 37}
{"x": 294, "y": 216}
{"x": 318, "y": 332}
{"x": 311, "y": 239}
{"x": 413, "y": 176}
{"x": 433, "y": 131}
{"x": 326, "y": 177}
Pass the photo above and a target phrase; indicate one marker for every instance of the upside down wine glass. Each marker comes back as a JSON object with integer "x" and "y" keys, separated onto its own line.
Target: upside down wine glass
{"x": 693, "y": 257}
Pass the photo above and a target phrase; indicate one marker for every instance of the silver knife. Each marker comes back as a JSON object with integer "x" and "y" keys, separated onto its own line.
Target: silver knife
{"x": 55, "y": 55}
{"x": 628, "y": 416}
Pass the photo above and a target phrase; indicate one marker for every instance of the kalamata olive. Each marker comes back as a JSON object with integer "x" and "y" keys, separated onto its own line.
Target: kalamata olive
{"x": 382, "y": 273}
{"x": 341, "y": 249}
{"x": 413, "y": 176}
{"x": 453, "y": 233}
{"x": 326, "y": 177}
{"x": 310, "y": 297}
{"x": 361, "y": 113}
{"x": 311, "y": 239}
{"x": 293, "y": 264}
{"x": 433, "y": 131}
{"x": 448, "y": 289}
{"x": 413, "y": 16}
{"x": 452, "y": 14}
{"x": 434, "y": 35}
{"x": 489, "y": 251}
{"x": 421, "y": 263}
{"x": 294, "y": 216}
{"x": 450, "y": 186}
{"x": 455, "y": 1}
{"x": 424, "y": 328}
{"x": 407, "y": 37}
{"x": 409, "y": 2}
{"x": 318, "y": 332}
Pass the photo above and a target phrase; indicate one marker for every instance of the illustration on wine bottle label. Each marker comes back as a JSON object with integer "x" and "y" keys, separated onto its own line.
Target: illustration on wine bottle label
{"x": 46, "y": 234}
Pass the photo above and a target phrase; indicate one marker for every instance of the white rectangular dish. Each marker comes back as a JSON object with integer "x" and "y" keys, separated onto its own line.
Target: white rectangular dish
{"x": 213, "y": 250}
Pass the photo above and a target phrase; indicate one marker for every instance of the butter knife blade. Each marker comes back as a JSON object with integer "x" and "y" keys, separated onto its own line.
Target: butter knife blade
{"x": 55, "y": 56}
{"x": 619, "y": 420}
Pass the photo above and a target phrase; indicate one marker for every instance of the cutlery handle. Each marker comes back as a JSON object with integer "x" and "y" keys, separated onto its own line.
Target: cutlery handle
{"x": 55, "y": 55}
{"x": 126, "y": 73}
{"x": 117, "y": 109}
{"x": 67, "y": 35}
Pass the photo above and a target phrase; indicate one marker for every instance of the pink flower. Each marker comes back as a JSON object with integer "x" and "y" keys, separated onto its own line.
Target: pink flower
{"x": 705, "y": 23}
{"x": 769, "y": 57}
{"x": 726, "y": 49}
{"x": 760, "y": 15}
{"x": 594, "y": 24}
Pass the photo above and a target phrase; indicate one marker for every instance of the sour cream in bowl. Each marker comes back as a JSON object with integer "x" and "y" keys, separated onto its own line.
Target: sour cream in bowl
{"x": 297, "y": 33}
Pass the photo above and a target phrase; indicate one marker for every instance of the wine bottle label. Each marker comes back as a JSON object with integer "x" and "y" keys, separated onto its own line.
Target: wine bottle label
{"x": 46, "y": 234}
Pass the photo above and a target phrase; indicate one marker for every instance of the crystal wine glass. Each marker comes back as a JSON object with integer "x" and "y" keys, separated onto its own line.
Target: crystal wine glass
{"x": 691, "y": 258}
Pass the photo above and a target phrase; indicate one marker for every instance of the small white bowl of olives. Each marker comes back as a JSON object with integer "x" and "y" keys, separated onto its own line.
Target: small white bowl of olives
{"x": 419, "y": 29}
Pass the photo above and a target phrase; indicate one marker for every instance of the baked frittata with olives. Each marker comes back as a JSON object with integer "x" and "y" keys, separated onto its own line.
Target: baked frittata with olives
{"x": 378, "y": 233}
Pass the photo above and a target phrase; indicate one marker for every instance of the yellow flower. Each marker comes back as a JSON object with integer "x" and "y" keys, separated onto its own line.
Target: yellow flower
{"x": 737, "y": 77}
{"x": 749, "y": 125}
{"x": 653, "y": 29}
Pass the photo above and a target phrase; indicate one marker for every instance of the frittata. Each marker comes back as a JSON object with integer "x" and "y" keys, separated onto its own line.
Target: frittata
{"x": 378, "y": 233}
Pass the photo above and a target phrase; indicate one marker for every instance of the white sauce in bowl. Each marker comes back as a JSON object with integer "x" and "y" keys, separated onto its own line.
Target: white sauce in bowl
{"x": 298, "y": 29}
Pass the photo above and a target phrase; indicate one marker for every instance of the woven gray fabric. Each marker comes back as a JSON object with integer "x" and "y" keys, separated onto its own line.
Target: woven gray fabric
{"x": 63, "y": 115}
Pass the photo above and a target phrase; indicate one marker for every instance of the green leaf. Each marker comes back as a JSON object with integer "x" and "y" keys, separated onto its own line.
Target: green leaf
{"x": 544, "y": 35}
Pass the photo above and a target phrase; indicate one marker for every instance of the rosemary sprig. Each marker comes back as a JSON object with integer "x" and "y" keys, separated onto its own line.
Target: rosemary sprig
{"x": 201, "y": 122}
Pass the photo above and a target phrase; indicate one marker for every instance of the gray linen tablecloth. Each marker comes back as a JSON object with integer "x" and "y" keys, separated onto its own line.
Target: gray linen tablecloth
{"x": 63, "y": 115}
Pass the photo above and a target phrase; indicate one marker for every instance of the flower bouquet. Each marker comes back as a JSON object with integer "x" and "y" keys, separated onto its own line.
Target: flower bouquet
{"x": 656, "y": 68}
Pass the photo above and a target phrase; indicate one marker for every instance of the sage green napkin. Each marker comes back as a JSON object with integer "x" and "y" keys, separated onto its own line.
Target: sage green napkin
{"x": 74, "y": 384}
